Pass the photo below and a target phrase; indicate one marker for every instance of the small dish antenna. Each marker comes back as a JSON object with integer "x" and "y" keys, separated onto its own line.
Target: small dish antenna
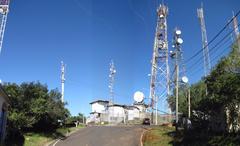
{"x": 184, "y": 79}
{"x": 178, "y": 32}
{"x": 138, "y": 96}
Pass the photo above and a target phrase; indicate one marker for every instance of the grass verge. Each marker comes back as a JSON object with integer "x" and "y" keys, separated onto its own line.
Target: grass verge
{"x": 167, "y": 136}
{"x": 40, "y": 139}
{"x": 159, "y": 136}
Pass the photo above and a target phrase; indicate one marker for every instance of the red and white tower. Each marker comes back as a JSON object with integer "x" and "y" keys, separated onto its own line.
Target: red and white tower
{"x": 4, "y": 9}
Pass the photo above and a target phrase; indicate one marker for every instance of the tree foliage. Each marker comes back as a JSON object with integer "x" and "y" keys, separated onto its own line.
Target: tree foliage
{"x": 33, "y": 106}
{"x": 223, "y": 92}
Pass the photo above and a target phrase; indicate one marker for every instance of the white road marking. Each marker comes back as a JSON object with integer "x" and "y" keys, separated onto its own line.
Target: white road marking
{"x": 56, "y": 142}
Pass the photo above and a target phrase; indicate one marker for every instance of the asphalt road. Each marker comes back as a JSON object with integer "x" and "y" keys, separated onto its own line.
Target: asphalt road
{"x": 104, "y": 136}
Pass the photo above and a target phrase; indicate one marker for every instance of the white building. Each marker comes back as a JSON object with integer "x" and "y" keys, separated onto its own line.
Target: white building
{"x": 116, "y": 113}
{"x": 103, "y": 112}
{"x": 99, "y": 111}
{"x": 4, "y": 102}
{"x": 99, "y": 106}
{"x": 132, "y": 112}
{"x": 142, "y": 110}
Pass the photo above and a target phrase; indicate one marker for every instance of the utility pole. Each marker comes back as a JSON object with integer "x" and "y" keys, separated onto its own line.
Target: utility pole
{"x": 207, "y": 65}
{"x": 159, "y": 86}
{"x": 83, "y": 120}
{"x": 189, "y": 102}
{"x": 177, "y": 80}
{"x": 177, "y": 55}
{"x": 4, "y": 9}
{"x": 63, "y": 67}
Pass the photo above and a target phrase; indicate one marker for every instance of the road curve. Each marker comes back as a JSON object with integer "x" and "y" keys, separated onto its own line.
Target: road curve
{"x": 105, "y": 136}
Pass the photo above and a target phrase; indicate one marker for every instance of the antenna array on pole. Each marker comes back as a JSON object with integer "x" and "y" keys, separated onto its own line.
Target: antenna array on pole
{"x": 159, "y": 86}
{"x": 4, "y": 9}
{"x": 63, "y": 69}
{"x": 177, "y": 55}
{"x": 111, "y": 81}
{"x": 206, "y": 58}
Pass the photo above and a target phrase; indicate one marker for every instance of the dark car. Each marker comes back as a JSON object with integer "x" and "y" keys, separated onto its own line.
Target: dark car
{"x": 146, "y": 121}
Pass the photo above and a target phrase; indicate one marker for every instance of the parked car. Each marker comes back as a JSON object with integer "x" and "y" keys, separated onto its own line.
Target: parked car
{"x": 146, "y": 121}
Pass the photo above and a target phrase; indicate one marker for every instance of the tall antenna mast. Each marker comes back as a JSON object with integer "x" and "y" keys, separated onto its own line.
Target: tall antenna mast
{"x": 206, "y": 58}
{"x": 159, "y": 86}
{"x": 235, "y": 26}
{"x": 4, "y": 9}
{"x": 177, "y": 55}
{"x": 63, "y": 67}
{"x": 236, "y": 31}
{"x": 111, "y": 81}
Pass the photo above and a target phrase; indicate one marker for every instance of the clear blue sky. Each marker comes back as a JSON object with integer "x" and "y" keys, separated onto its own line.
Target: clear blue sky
{"x": 87, "y": 34}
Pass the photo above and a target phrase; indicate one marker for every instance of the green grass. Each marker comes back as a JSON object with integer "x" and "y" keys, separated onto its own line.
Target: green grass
{"x": 167, "y": 136}
{"x": 36, "y": 139}
{"x": 159, "y": 136}
{"x": 39, "y": 139}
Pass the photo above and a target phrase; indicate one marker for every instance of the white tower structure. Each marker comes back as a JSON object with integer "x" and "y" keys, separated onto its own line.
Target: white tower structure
{"x": 235, "y": 27}
{"x": 159, "y": 87}
{"x": 4, "y": 9}
{"x": 111, "y": 81}
{"x": 63, "y": 69}
{"x": 206, "y": 58}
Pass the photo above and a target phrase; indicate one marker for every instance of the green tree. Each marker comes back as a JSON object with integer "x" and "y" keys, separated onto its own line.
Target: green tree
{"x": 33, "y": 106}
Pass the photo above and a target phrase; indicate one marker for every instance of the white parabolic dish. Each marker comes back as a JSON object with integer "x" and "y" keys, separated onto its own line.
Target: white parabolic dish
{"x": 138, "y": 96}
{"x": 185, "y": 79}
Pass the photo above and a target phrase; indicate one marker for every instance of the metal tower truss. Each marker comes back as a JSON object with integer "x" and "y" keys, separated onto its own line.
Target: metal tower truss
{"x": 111, "y": 81}
{"x": 159, "y": 87}
{"x": 4, "y": 9}
{"x": 63, "y": 70}
{"x": 207, "y": 65}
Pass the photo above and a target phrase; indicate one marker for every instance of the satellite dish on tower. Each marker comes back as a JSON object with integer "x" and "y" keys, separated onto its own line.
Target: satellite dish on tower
{"x": 138, "y": 96}
{"x": 184, "y": 79}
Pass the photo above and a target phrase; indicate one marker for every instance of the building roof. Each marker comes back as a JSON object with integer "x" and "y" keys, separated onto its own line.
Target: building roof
{"x": 130, "y": 107}
{"x": 119, "y": 105}
{"x": 102, "y": 101}
{"x": 95, "y": 113}
{"x": 143, "y": 104}
{"x": 4, "y": 94}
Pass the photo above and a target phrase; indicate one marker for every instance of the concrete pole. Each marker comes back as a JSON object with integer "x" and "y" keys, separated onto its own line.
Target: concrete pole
{"x": 156, "y": 112}
{"x": 177, "y": 74}
{"x": 62, "y": 98}
{"x": 189, "y": 103}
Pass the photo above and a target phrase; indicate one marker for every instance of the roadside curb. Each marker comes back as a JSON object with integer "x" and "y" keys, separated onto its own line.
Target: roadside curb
{"x": 58, "y": 139}
{"x": 141, "y": 139}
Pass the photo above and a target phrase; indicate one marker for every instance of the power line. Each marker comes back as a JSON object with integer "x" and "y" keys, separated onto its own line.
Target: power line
{"x": 214, "y": 47}
{"x": 214, "y": 38}
{"x": 214, "y": 59}
{"x": 210, "y": 50}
